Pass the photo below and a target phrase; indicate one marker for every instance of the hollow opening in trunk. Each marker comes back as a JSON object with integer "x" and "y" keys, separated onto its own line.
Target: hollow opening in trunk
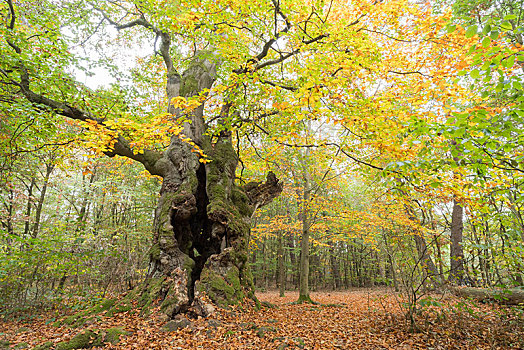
{"x": 203, "y": 243}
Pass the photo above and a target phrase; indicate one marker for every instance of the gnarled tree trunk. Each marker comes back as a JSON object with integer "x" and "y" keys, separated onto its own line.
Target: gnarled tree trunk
{"x": 202, "y": 221}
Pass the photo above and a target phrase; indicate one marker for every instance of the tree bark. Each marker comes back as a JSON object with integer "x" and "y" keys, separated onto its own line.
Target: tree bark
{"x": 337, "y": 281}
{"x": 456, "y": 258}
{"x": 281, "y": 267}
{"x": 36, "y": 227}
{"x": 202, "y": 221}
{"x": 303, "y": 290}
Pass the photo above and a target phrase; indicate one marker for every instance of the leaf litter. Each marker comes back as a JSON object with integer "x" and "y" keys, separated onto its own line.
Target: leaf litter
{"x": 355, "y": 319}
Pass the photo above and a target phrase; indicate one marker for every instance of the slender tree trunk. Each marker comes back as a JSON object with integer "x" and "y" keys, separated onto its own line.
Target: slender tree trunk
{"x": 38, "y": 214}
{"x": 29, "y": 206}
{"x": 425, "y": 259}
{"x": 456, "y": 274}
{"x": 354, "y": 265}
{"x": 486, "y": 266}
{"x": 256, "y": 283}
{"x": 314, "y": 269}
{"x": 281, "y": 266}
{"x": 8, "y": 223}
{"x": 304, "y": 262}
{"x": 440, "y": 261}
{"x": 393, "y": 273}
{"x": 381, "y": 262}
{"x": 519, "y": 227}
{"x": 293, "y": 260}
{"x": 82, "y": 214}
{"x": 304, "y": 244}
{"x": 335, "y": 268}
{"x": 346, "y": 266}
{"x": 265, "y": 267}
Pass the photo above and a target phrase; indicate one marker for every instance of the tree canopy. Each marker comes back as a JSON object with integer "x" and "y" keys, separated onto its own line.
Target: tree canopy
{"x": 276, "y": 140}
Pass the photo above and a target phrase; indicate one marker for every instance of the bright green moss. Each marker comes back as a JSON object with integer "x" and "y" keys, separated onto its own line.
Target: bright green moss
{"x": 113, "y": 335}
{"x": 83, "y": 340}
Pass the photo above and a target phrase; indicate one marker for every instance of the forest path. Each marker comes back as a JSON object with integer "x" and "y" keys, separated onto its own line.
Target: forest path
{"x": 357, "y": 319}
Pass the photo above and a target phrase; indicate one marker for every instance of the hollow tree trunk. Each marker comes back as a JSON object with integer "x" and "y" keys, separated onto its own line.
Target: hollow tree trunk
{"x": 202, "y": 222}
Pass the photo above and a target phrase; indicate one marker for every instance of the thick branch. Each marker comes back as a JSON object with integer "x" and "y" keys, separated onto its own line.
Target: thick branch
{"x": 267, "y": 45}
{"x": 265, "y": 49}
{"x": 12, "y": 14}
{"x": 121, "y": 146}
{"x": 261, "y": 194}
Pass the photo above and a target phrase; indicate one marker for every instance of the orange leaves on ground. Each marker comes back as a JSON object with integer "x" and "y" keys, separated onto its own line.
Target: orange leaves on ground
{"x": 356, "y": 319}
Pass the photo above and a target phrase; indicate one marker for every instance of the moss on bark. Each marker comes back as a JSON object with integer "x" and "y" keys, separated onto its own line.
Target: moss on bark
{"x": 222, "y": 290}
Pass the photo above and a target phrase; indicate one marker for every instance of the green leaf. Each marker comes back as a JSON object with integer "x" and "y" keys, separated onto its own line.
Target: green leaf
{"x": 510, "y": 61}
{"x": 451, "y": 28}
{"x": 510, "y": 17}
{"x": 486, "y": 41}
{"x": 486, "y": 29}
{"x": 471, "y": 31}
{"x": 435, "y": 184}
{"x": 474, "y": 73}
{"x": 506, "y": 26}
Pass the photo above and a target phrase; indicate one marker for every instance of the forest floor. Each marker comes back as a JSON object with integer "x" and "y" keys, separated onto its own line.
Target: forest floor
{"x": 356, "y": 319}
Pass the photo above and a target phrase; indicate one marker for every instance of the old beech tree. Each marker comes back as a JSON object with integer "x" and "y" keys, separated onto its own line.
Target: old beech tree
{"x": 244, "y": 56}
{"x": 231, "y": 68}
{"x": 202, "y": 222}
